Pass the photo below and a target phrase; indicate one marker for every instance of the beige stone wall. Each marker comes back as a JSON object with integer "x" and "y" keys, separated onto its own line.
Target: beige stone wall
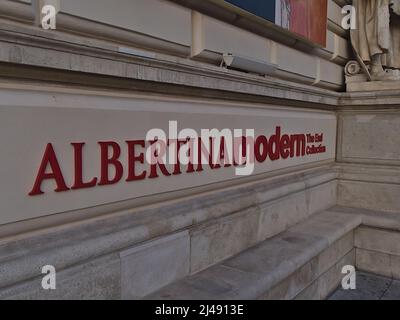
{"x": 155, "y": 18}
{"x": 370, "y": 137}
{"x": 369, "y": 158}
{"x": 378, "y": 251}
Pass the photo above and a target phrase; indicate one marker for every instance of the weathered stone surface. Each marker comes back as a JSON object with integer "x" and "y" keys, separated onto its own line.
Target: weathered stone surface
{"x": 292, "y": 285}
{"x": 369, "y": 183}
{"x": 373, "y": 196}
{"x": 279, "y": 215}
{"x": 378, "y": 263}
{"x": 62, "y": 247}
{"x": 374, "y": 262}
{"x": 336, "y": 252}
{"x": 311, "y": 292}
{"x": 97, "y": 279}
{"x": 323, "y": 197}
{"x": 223, "y": 238}
{"x": 217, "y": 282}
{"x": 311, "y": 271}
{"x": 372, "y": 218}
{"x": 148, "y": 267}
{"x": 378, "y": 240}
{"x": 362, "y": 135}
{"x": 328, "y": 281}
{"x": 293, "y": 263}
{"x": 255, "y": 271}
{"x": 278, "y": 256}
{"x": 329, "y": 225}
{"x": 334, "y": 276}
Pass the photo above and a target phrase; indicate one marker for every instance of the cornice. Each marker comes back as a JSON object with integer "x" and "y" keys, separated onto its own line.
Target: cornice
{"x": 31, "y": 53}
{"x": 28, "y": 53}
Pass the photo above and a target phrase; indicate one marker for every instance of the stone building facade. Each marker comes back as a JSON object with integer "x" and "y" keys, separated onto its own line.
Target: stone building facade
{"x": 77, "y": 101}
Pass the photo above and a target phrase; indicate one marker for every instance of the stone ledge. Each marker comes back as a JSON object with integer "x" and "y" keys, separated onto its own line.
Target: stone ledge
{"x": 377, "y": 241}
{"x": 327, "y": 282}
{"x": 368, "y": 172}
{"x": 76, "y": 242}
{"x": 375, "y": 100}
{"x": 310, "y": 274}
{"x": 376, "y": 196}
{"x": 373, "y": 218}
{"x": 271, "y": 268}
{"x": 255, "y": 271}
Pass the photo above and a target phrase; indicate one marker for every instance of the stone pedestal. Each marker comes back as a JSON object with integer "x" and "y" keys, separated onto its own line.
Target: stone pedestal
{"x": 359, "y": 79}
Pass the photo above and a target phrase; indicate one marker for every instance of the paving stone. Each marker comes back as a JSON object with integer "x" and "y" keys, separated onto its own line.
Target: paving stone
{"x": 369, "y": 287}
{"x": 393, "y": 293}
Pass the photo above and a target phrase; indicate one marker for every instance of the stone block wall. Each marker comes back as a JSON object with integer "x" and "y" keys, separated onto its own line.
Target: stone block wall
{"x": 378, "y": 251}
{"x": 140, "y": 256}
{"x": 368, "y": 154}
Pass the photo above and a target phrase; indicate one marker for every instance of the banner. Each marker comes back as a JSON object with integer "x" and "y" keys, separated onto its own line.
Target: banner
{"x": 307, "y": 18}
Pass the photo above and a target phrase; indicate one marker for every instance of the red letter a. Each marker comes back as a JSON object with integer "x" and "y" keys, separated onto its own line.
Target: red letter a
{"x": 49, "y": 158}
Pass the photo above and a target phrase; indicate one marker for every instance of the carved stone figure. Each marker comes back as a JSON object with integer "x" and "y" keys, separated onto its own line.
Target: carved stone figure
{"x": 376, "y": 38}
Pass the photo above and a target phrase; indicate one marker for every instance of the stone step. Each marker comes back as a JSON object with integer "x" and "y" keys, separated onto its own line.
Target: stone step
{"x": 302, "y": 252}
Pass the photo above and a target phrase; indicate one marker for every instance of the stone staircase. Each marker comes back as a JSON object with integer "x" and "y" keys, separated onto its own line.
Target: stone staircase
{"x": 303, "y": 262}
